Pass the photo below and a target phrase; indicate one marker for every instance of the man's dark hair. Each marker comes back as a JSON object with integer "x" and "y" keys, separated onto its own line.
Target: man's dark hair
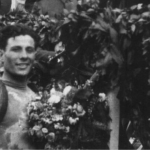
{"x": 16, "y": 30}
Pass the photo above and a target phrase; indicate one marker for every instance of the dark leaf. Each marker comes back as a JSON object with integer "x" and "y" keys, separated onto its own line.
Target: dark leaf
{"x": 44, "y": 55}
{"x": 122, "y": 29}
{"x": 130, "y": 58}
{"x": 104, "y": 62}
{"x": 146, "y": 14}
{"x": 136, "y": 71}
{"x": 148, "y": 93}
{"x": 126, "y": 43}
{"x": 103, "y": 24}
{"x": 97, "y": 26}
{"x": 95, "y": 76}
{"x": 82, "y": 94}
{"x": 134, "y": 17}
{"x": 74, "y": 53}
{"x": 133, "y": 7}
{"x": 113, "y": 35}
{"x": 118, "y": 20}
{"x": 83, "y": 14}
{"x": 133, "y": 28}
{"x": 116, "y": 55}
{"x": 40, "y": 66}
{"x": 66, "y": 21}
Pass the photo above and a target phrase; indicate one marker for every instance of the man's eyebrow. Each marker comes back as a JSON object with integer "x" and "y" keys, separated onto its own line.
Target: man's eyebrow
{"x": 30, "y": 46}
{"x": 16, "y": 46}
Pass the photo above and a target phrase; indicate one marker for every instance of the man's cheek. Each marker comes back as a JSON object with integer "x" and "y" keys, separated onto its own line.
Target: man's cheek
{"x": 9, "y": 63}
{"x": 32, "y": 57}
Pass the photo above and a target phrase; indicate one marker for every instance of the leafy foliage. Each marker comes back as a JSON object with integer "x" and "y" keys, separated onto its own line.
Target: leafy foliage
{"x": 113, "y": 42}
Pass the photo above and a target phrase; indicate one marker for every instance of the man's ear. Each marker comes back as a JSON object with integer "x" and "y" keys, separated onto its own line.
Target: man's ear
{"x": 1, "y": 52}
{"x": 1, "y": 58}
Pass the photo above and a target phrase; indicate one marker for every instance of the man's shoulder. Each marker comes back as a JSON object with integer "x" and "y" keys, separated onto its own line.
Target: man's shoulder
{"x": 31, "y": 91}
{"x": 20, "y": 94}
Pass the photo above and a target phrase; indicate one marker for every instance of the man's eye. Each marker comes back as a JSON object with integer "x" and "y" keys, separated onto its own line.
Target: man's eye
{"x": 15, "y": 49}
{"x": 30, "y": 50}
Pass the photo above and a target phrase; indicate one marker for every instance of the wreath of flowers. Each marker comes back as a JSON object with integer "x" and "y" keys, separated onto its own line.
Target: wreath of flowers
{"x": 71, "y": 117}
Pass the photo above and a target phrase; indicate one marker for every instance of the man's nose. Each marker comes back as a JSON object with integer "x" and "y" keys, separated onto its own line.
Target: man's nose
{"x": 23, "y": 54}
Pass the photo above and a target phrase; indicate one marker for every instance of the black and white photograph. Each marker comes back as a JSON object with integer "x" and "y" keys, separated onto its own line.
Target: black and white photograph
{"x": 74, "y": 74}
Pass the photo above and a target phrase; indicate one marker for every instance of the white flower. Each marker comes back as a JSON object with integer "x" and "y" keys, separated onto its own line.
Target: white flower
{"x": 29, "y": 109}
{"x": 34, "y": 105}
{"x": 57, "y": 118}
{"x": 78, "y": 109}
{"x": 79, "y": 2}
{"x": 59, "y": 47}
{"x": 39, "y": 96}
{"x": 46, "y": 120}
{"x": 69, "y": 107}
{"x": 117, "y": 10}
{"x": 67, "y": 129}
{"x": 56, "y": 126}
{"x": 67, "y": 89}
{"x": 59, "y": 126}
{"x": 45, "y": 130}
{"x": 52, "y": 91}
{"x": 36, "y": 127}
{"x": 61, "y": 59}
{"x": 54, "y": 99}
{"x": 73, "y": 120}
{"x": 102, "y": 97}
{"x": 51, "y": 137}
{"x": 139, "y": 6}
{"x": 89, "y": 82}
{"x": 75, "y": 106}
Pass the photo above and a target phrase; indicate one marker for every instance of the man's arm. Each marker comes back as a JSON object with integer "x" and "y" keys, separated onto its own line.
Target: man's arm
{"x": 114, "y": 106}
{"x": 3, "y": 100}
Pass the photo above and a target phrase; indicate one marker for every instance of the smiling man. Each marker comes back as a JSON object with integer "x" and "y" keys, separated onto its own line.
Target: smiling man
{"x": 19, "y": 44}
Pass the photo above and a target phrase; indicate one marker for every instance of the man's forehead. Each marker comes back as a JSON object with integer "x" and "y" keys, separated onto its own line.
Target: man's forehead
{"x": 21, "y": 39}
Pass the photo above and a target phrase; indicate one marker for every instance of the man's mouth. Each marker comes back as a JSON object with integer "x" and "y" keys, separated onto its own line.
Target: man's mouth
{"x": 23, "y": 65}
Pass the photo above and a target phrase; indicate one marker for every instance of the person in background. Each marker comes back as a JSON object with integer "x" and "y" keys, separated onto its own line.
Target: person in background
{"x": 7, "y": 6}
{"x": 19, "y": 44}
{"x": 18, "y": 5}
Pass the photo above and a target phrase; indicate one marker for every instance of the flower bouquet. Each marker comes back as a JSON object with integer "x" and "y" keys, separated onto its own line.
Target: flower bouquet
{"x": 71, "y": 117}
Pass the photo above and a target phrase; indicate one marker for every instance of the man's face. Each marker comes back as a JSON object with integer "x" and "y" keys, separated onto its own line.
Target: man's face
{"x": 19, "y": 55}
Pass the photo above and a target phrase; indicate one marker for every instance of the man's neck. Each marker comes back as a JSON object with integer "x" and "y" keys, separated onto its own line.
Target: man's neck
{"x": 15, "y": 81}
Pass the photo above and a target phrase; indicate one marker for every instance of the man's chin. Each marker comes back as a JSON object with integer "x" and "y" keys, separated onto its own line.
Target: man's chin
{"x": 22, "y": 73}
